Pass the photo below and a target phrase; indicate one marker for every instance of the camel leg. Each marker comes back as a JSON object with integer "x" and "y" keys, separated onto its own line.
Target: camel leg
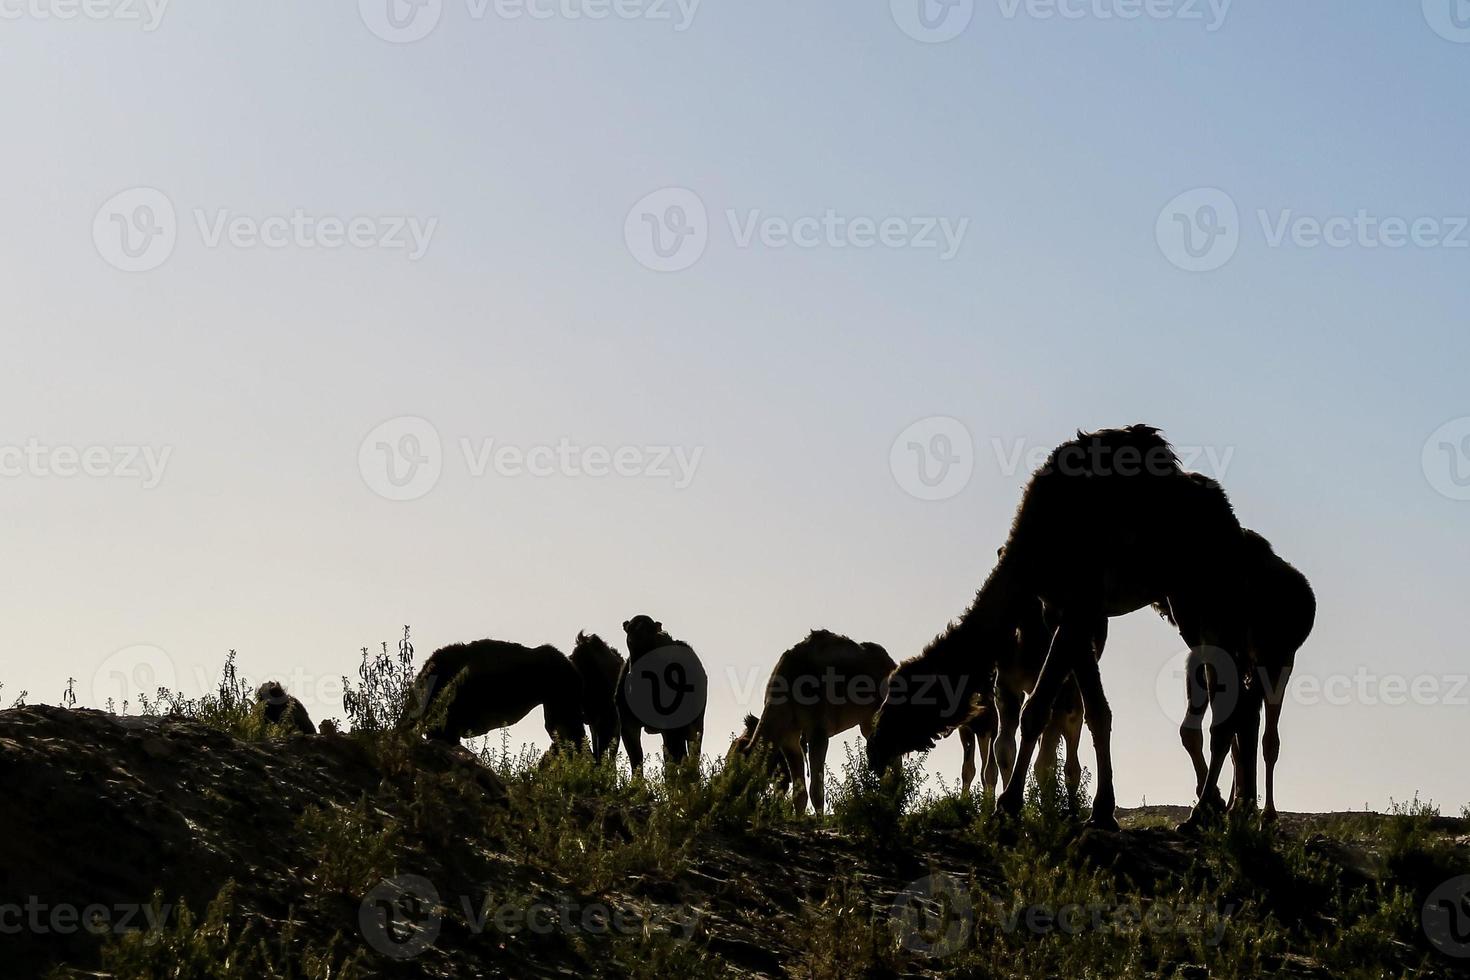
{"x": 1072, "y": 733}
{"x": 817, "y": 758}
{"x": 967, "y": 770}
{"x": 1099, "y": 718}
{"x": 1046, "y": 755}
{"x": 1271, "y": 751}
{"x": 1008, "y": 708}
{"x": 633, "y": 744}
{"x": 676, "y": 747}
{"x": 1244, "y": 793}
{"x": 1192, "y": 728}
{"x": 985, "y": 740}
{"x": 796, "y": 766}
{"x": 1225, "y": 721}
{"x": 1068, "y": 646}
{"x": 694, "y": 736}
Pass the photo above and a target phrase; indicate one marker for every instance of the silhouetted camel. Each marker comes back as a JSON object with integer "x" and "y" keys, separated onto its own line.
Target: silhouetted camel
{"x": 1109, "y": 523}
{"x": 469, "y": 689}
{"x": 279, "y": 708}
{"x": 1280, "y": 610}
{"x": 600, "y": 667}
{"x": 645, "y": 636}
{"x": 744, "y": 743}
{"x": 819, "y": 688}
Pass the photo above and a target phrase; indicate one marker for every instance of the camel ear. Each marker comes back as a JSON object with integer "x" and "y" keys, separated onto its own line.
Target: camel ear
{"x": 625, "y": 624}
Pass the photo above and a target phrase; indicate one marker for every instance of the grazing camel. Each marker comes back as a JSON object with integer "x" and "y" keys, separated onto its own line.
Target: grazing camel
{"x": 1017, "y": 669}
{"x": 281, "y": 709}
{"x": 744, "y": 743}
{"x": 1018, "y": 665}
{"x": 469, "y": 689}
{"x": 681, "y": 739}
{"x": 1280, "y": 610}
{"x": 819, "y": 688}
{"x": 600, "y": 667}
{"x": 1109, "y": 523}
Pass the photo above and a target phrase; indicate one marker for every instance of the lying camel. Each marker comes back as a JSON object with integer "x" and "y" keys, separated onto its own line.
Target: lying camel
{"x": 281, "y": 709}
{"x": 819, "y": 688}
{"x": 645, "y": 637}
{"x": 469, "y": 689}
{"x": 600, "y": 667}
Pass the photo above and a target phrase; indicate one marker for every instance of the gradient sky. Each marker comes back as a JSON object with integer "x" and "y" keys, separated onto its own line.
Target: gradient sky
{"x": 1320, "y": 373}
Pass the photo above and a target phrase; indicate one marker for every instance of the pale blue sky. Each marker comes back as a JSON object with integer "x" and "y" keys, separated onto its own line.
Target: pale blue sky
{"x": 528, "y": 320}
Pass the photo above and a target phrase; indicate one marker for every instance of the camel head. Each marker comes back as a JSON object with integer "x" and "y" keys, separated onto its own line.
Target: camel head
{"x": 745, "y": 741}
{"x": 645, "y": 634}
{"x": 271, "y": 692}
{"x": 931, "y": 695}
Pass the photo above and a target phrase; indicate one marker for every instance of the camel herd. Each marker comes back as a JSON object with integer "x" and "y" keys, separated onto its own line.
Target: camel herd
{"x": 1109, "y": 524}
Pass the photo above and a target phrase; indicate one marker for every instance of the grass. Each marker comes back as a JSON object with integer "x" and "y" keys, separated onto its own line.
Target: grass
{"x": 1041, "y": 896}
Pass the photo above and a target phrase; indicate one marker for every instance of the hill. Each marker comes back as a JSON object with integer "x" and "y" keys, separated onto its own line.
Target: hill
{"x": 145, "y": 846}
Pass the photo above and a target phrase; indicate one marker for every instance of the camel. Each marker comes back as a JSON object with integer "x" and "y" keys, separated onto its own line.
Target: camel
{"x": 644, "y": 637}
{"x": 1017, "y": 669}
{"x": 994, "y": 727}
{"x": 281, "y": 709}
{"x": 821, "y": 687}
{"x": 1280, "y": 610}
{"x": 1107, "y": 525}
{"x": 600, "y": 667}
{"x": 468, "y": 689}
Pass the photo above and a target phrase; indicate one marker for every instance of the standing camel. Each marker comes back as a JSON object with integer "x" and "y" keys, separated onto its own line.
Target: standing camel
{"x": 1109, "y": 523}
{"x": 645, "y": 637}
{"x": 1017, "y": 669}
{"x": 1017, "y": 666}
{"x": 469, "y": 689}
{"x": 1280, "y": 610}
{"x": 819, "y": 688}
{"x": 600, "y": 667}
